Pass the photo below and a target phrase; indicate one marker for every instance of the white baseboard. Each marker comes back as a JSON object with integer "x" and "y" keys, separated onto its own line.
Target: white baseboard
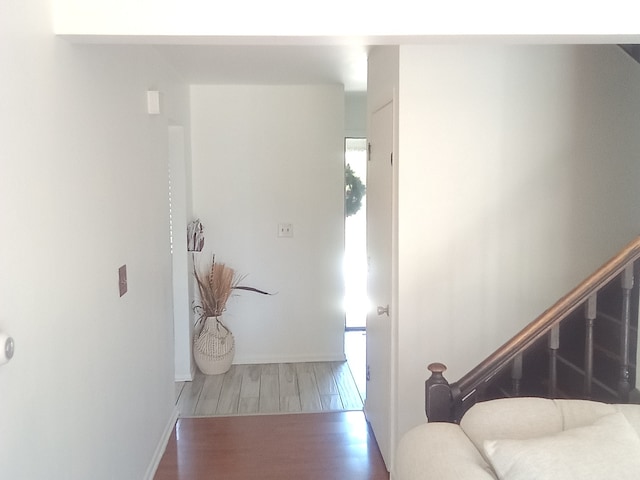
{"x": 186, "y": 377}
{"x": 162, "y": 445}
{"x": 241, "y": 360}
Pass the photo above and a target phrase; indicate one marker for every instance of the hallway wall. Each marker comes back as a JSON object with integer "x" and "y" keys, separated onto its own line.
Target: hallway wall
{"x": 519, "y": 177}
{"x": 83, "y": 189}
{"x": 264, "y": 155}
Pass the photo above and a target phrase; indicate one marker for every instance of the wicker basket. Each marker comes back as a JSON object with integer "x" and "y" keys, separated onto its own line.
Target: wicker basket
{"x": 214, "y": 347}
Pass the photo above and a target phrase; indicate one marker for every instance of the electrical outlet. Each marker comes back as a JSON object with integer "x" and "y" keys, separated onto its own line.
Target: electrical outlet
{"x": 285, "y": 230}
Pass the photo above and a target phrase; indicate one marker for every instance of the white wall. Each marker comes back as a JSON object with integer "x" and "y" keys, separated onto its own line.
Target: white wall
{"x": 518, "y": 177}
{"x": 263, "y": 155}
{"x": 83, "y": 189}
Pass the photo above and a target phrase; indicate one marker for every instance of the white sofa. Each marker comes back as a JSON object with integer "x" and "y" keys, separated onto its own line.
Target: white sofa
{"x": 526, "y": 438}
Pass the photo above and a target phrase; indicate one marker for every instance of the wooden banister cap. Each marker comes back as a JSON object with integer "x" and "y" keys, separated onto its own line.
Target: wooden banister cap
{"x": 437, "y": 367}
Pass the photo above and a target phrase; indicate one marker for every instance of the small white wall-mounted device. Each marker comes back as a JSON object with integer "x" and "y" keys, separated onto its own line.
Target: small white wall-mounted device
{"x": 153, "y": 102}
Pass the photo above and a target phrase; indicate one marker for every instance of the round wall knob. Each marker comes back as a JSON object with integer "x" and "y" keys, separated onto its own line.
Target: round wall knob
{"x": 7, "y": 345}
{"x": 8, "y": 348}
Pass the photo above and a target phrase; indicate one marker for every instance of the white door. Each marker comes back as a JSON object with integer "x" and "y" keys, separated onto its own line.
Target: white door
{"x": 379, "y": 251}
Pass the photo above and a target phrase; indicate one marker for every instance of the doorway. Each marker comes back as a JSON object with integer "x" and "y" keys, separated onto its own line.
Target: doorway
{"x": 355, "y": 259}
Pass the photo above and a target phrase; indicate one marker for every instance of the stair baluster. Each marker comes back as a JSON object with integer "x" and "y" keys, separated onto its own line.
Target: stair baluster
{"x": 554, "y": 345}
{"x": 516, "y": 375}
{"x": 624, "y": 385}
{"x": 590, "y": 316}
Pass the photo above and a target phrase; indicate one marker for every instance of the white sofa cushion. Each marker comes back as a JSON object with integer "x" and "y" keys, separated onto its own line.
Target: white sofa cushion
{"x": 512, "y": 418}
{"x": 439, "y": 451}
{"x": 433, "y": 451}
{"x": 607, "y": 449}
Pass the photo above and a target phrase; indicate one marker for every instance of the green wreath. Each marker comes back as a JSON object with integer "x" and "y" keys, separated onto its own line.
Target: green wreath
{"x": 354, "y": 190}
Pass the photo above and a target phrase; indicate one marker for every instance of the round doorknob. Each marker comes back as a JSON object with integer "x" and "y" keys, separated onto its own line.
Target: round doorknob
{"x": 383, "y": 310}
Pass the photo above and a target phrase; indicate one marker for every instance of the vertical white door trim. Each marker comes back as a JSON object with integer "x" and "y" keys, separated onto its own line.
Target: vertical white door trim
{"x": 180, "y": 259}
{"x": 395, "y": 310}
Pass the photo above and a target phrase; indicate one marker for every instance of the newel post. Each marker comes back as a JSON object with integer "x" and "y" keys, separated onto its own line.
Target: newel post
{"x": 438, "y": 403}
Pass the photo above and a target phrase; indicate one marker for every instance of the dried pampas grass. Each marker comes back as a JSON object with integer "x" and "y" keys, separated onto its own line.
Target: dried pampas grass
{"x": 215, "y": 286}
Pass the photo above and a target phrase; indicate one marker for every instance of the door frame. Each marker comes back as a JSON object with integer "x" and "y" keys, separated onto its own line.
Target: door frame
{"x": 181, "y": 262}
{"x": 395, "y": 310}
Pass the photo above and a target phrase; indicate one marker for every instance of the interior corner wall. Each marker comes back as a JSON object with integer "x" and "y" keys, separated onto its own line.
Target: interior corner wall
{"x": 518, "y": 177}
{"x": 265, "y": 155}
{"x": 355, "y": 125}
{"x": 89, "y": 392}
{"x": 383, "y": 70}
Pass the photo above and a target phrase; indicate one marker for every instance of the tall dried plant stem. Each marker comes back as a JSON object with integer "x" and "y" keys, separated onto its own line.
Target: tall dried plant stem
{"x": 221, "y": 284}
{"x": 215, "y": 288}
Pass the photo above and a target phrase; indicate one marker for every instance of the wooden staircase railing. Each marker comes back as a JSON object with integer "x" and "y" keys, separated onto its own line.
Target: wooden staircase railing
{"x": 448, "y": 402}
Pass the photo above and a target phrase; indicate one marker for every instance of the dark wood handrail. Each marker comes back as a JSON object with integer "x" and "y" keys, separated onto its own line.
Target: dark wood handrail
{"x": 541, "y": 325}
{"x": 456, "y": 394}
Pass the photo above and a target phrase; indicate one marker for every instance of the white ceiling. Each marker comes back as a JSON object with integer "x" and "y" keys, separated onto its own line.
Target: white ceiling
{"x": 270, "y": 64}
{"x": 285, "y": 62}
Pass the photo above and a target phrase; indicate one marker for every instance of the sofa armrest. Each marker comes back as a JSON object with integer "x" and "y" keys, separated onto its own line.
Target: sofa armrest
{"x": 439, "y": 451}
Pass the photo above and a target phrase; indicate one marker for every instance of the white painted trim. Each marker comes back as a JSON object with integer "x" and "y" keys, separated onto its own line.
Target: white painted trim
{"x": 291, "y": 359}
{"x": 181, "y": 377}
{"x": 189, "y": 377}
{"x": 162, "y": 445}
{"x": 180, "y": 258}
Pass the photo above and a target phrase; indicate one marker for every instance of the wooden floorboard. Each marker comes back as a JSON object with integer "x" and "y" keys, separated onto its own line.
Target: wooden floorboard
{"x": 190, "y": 394}
{"x": 270, "y": 388}
{"x": 324, "y": 377}
{"x": 269, "y": 391}
{"x": 209, "y": 395}
{"x": 309, "y": 395}
{"x": 318, "y": 446}
{"x": 250, "y": 390}
{"x": 347, "y": 388}
{"x": 289, "y": 390}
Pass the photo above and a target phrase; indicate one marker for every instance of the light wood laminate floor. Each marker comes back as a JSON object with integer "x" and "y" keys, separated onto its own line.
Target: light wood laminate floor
{"x": 270, "y": 388}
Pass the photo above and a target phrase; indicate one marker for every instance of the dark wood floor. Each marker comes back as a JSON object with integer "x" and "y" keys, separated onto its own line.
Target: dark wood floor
{"x": 309, "y": 446}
